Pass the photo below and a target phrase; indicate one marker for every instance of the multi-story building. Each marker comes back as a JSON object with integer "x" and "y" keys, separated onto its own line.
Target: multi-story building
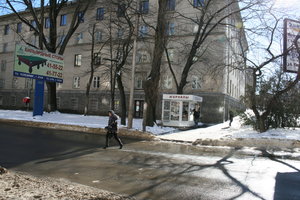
{"x": 215, "y": 74}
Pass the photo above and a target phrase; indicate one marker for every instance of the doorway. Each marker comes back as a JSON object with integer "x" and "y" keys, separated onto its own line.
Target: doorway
{"x": 138, "y": 108}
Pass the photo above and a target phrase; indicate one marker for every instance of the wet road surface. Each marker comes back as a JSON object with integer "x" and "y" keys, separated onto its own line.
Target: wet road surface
{"x": 147, "y": 170}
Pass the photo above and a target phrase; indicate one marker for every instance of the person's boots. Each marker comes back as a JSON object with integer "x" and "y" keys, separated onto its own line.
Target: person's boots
{"x": 119, "y": 141}
{"x": 106, "y": 142}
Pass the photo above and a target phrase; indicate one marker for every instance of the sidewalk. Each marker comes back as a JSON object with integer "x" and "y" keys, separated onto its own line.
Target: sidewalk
{"x": 218, "y": 135}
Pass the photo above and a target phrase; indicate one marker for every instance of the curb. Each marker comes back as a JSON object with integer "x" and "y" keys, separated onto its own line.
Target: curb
{"x": 134, "y": 134}
{"x": 261, "y": 143}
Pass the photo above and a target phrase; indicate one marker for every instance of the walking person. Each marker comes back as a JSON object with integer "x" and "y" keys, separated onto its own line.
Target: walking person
{"x": 112, "y": 129}
{"x": 230, "y": 117}
{"x": 196, "y": 114}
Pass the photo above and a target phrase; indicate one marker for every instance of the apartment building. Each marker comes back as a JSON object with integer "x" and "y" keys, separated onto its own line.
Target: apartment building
{"x": 215, "y": 74}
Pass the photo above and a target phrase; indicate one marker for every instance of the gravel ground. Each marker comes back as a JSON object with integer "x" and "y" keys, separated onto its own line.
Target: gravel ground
{"x": 19, "y": 186}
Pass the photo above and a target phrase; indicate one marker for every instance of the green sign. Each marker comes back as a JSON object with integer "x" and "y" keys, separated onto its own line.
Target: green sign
{"x": 38, "y": 64}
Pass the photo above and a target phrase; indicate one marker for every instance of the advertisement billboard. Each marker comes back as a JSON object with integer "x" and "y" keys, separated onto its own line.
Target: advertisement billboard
{"x": 291, "y": 60}
{"x": 37, "y": 64}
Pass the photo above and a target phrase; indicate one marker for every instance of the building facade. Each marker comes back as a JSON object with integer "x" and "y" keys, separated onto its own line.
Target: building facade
{"x": 216, "y": 74}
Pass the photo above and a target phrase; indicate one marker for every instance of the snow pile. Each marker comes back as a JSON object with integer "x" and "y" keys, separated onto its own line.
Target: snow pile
{"x": 76, "y": 119}
{"x": 237, "y": 130}
{"x": 15, "y": 185}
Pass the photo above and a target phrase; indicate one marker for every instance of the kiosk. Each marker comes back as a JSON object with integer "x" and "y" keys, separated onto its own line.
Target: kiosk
{"x": 177, "y": 110}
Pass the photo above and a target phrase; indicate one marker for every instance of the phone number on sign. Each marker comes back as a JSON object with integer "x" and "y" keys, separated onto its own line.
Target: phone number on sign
{"x": 53, "y": 73}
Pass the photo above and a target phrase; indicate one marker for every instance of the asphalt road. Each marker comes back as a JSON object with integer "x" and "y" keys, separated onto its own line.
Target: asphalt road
{"x": 148, "y": 170}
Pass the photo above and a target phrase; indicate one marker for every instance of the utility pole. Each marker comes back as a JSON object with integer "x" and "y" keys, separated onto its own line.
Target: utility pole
{"x": 130, "y": 110}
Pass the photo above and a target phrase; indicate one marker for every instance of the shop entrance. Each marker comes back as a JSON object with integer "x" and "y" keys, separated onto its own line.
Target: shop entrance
{"x": 138, "y": 108}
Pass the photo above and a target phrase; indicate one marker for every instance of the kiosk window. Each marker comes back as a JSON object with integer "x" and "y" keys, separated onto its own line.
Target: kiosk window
{"x": 166, "y": 111}
{"x": 185, "y": 111}
{"x": 175, "y": 105}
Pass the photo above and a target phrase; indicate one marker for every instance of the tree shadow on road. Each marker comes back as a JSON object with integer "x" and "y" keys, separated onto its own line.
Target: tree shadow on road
{"x": 177, "y": 172}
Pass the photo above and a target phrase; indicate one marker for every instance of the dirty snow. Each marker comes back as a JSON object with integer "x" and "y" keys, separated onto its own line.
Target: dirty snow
{"x": 237, "y": 130}
{"x": 16, "y": 185}
{"x": 76, "y": 119}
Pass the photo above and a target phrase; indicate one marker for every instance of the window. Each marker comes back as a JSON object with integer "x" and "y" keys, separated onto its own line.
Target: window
{"x": 166, "y": 112}
{"x": 58, "y": 102}
{"x": 28, "y": 83}
{"x": 121, "y": 10}
{"x": 15, "y": 82}
{"x": 171, "y": 54}
{"x": 94, "y": 104}
{"x": 3, "y": 65}
{"x": 198, "y": 3}
{"x": 144, "y": 6}
{"x": 78, "y": 60}
{"x": 79, "y": 38}
{"x": 81, "y": 17}
{"x": 19, "y": 27}
{"x": 96, "y": 82}
{"x": 2, "y": 83}
{"x": 120, "y": 33}
{"x": 138, "y": 81}
{"x": 142, "y": 57}
{"x": 98, "y": 36}
{"x": 6, "y": 29}
{"x": 230, "y": 86}
{"x": 59, "y": 85}
{"x": 76, "y": 82}
{"x": 74, "y": 103}
{"x": 175, "y": 108}
{"x": 171, "y": 4}
{"x": 117, "y": 105}
{"x": 100, "y": 14}
{"x": 170, "y": 29}
{"x": 196, "y": 82}
{"x": 34, "y": 40}
{"x": 63, "y": 20}
{"x": 47, "y": 22}
{"x": 5, "y": 47}
{"x": 168, "y": 82}
{"x": 185, "y": 111}
{"x": 61, "y": 39}
{"x": 97, "y": 59}
{"x": 13, "y": 100}
{"x": 33, "y": 23}
{"x": 143, "y": 31}
{"x": 195, "y": 58}
{"x": 196, "y": 28}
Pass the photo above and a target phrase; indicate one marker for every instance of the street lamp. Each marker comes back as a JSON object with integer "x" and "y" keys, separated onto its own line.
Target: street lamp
{"x": 130, "y": 109}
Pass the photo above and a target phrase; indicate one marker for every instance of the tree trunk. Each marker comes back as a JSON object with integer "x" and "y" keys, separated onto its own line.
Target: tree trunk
{"x": 262, "y": 125}
{"x": 51, "y": 87}
{"x": 87, "y": 95}
{"x": 122, "y": 99}
{"x": 151, "y": 96}
{"x": 151, "y": 84}
{"x": 186, "y": 70}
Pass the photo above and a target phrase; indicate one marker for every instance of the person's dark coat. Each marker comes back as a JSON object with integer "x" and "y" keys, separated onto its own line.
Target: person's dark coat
{"x": 112, "y": 129}
{"x": 112, "y": 122}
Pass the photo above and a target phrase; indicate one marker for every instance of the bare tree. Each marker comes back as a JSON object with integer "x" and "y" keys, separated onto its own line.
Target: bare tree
{"x": 52, "y": 10}
{"x": 151, "y": 85}
{"x": 260, "y": 97}
{"x": 94, "y": 64}
{"x": 211, "y": 16}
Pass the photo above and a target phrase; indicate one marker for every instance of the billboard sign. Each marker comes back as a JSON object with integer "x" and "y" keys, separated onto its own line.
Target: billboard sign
{"x": 37, "y": 64}
{"x": 291, "y": 60}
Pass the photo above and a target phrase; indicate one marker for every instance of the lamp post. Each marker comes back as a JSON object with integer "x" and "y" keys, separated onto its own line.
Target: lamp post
{"x": 130, "y": 109}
